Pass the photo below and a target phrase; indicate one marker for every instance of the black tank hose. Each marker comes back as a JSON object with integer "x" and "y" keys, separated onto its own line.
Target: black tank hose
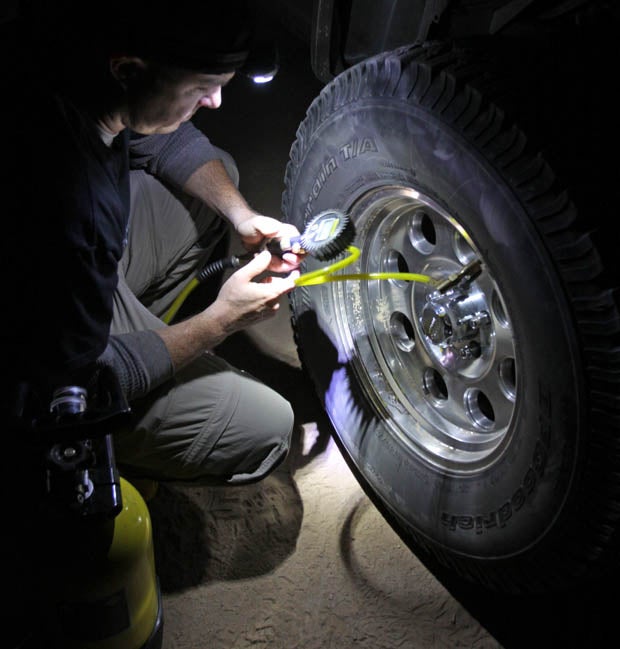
{"x": 207, "y": 271}
{"x": 218, "y": 266}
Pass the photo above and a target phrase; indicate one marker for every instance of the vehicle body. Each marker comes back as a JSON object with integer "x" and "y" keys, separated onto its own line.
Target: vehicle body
{"x": 482, "y": 419}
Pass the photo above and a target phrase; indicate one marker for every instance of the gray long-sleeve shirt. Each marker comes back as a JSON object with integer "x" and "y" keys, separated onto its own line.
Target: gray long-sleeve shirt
{"x": 173, "y": 157}
{"x": 140, "y": 359}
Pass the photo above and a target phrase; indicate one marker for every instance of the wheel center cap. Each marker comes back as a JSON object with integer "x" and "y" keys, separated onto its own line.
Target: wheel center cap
{"x": 457, "y": 322}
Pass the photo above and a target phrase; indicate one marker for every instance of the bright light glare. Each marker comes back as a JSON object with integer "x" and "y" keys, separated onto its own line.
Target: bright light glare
{"x": 263, "y": 78}
{"x": 310, "y": 435}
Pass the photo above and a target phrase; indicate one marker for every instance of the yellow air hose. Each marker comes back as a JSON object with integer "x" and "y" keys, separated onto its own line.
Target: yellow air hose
{"x": 313, "y": 278}
{"x": 181, "y": 297}
{"x": 324, "y": 275}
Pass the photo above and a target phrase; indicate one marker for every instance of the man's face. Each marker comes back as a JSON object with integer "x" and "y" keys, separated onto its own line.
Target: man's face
{"x": 161, "y": 103}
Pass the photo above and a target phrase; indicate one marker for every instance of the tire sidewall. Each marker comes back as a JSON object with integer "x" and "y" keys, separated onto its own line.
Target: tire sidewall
{"x": 511, "y": 505}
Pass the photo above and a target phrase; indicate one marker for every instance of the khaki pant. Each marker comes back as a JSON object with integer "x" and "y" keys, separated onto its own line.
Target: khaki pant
{"x": 212, "y": 423}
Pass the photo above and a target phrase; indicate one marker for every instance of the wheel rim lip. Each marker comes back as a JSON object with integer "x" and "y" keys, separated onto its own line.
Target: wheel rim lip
{"x": 399, "y": 371}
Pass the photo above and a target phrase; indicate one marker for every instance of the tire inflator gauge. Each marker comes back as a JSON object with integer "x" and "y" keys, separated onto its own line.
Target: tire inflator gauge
{"x": 326, "y": 236}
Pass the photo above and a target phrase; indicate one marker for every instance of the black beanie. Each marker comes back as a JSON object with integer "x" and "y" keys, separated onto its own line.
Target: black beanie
{"x": 200, "y": 35}
{"x": 210, "y": 37}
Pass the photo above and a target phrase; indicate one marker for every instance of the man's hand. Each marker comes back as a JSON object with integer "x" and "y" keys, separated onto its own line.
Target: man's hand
{"x": 257, "y": 230}
{"x": 242, "y": 301}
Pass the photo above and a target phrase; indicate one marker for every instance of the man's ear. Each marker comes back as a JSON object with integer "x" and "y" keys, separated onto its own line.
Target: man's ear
{"x": 126, "y": 68}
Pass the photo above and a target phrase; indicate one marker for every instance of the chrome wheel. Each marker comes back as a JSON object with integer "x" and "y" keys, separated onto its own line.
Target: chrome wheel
{"x": 440, "y": 367}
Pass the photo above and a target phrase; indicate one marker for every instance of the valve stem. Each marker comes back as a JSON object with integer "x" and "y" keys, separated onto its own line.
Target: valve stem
{"x": 468, "y": 273}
